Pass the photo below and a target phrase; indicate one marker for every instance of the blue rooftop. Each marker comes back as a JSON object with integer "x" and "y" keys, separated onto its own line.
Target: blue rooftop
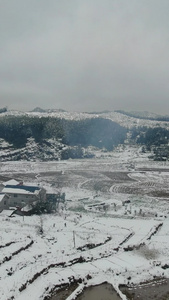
{"x": 31, "y": 189}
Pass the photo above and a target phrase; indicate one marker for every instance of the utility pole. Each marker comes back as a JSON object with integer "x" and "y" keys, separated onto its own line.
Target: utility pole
{"x": 23, "y": 203}
{"x": 74, "y": 239}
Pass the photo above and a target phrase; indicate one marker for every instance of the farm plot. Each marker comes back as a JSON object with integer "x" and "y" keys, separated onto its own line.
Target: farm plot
{"x": 58, "y": 251}
{"x": 114, "y": 226}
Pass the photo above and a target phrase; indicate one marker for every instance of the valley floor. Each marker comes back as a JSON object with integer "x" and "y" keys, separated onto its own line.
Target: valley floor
{"x": 113, "y": 227}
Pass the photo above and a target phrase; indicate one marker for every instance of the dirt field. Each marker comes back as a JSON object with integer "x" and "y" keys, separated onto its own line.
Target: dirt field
{"x": 107, "y": 182}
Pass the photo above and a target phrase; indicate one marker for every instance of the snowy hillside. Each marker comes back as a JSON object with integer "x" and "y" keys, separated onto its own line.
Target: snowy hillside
{"x": 113, "y": 227}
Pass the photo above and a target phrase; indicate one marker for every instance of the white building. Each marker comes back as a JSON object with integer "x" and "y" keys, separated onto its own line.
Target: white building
{"x": 20, "y": 195}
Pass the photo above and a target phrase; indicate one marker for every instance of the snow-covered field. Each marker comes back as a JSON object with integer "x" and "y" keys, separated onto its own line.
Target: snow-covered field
{"x": 113, "y": 227}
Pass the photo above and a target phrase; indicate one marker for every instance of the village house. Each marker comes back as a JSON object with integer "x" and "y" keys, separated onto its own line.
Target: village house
{"x": 20, "y": 195}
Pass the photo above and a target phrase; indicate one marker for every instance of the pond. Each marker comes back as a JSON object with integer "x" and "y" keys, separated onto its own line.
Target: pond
{"x": 103, "y": 291}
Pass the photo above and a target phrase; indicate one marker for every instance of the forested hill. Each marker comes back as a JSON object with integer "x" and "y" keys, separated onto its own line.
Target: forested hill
{"x": 51, "y": 138}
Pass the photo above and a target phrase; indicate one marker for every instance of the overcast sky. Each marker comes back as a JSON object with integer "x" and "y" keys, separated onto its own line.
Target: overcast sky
{"x": 85, "y": 55}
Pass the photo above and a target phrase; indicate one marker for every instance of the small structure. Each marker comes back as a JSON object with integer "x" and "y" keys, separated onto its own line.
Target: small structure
{"x": 4, "y": 200}
{"x": 12, "y": 182}
{"x": 21, "y": 195}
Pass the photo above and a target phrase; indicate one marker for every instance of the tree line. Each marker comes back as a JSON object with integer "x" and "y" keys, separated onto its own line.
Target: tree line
{"x": 98, "y": 132}
{"x": 150, "y": 136}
